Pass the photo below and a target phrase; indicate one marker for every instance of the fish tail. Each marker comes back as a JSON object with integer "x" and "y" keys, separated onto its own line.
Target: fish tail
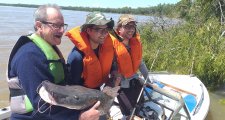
{"x": 113, "y": 92}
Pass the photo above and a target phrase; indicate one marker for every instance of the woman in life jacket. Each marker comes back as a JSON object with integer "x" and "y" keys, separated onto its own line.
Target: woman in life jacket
{"x": 128, "y": 60}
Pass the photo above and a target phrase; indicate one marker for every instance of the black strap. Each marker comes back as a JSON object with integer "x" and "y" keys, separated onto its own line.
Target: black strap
{"x": 113, "y": 32}
{"x": 16, "y": 92}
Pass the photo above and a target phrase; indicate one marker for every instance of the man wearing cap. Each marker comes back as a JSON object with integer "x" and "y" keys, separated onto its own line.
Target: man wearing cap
{"x": 128, "y": 53}
{"x": 91, "y": 59}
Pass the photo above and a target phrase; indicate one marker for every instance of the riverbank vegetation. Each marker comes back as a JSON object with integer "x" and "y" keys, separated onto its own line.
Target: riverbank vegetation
{"x": 166, "y": 9}
{"x": 196, "y": 46}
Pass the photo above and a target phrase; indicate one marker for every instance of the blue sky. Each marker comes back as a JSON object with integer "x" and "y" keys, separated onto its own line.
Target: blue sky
{"x": 96, "y": 3}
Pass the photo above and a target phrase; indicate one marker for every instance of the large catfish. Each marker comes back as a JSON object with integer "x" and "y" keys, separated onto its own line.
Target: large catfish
{"x": 78, "y": 97}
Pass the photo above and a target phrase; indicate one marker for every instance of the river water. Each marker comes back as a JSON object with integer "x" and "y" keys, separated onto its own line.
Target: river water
{"x": 17, "y": 21}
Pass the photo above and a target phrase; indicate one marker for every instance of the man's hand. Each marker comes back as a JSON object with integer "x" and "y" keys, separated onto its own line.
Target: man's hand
{"x": 91, "y": 114}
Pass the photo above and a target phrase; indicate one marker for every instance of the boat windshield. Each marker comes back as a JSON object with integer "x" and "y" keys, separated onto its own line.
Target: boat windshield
{"x": 169, "y": 104}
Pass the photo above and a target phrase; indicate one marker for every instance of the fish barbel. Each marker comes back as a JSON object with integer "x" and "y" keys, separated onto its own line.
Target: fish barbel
{"x": 79, "y": 97}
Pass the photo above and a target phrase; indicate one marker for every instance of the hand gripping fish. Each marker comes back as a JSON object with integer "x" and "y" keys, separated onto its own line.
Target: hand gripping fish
{"x": 78, "y": 97}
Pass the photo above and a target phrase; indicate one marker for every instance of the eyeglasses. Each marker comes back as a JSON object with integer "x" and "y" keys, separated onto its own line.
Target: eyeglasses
{"x": 129, "y": 26}
{"x": 101, "y": 30}
{"x": 56, "y": 26}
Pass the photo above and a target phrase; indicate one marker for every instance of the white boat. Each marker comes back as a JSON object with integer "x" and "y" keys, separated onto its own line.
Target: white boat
{"x": 5, "y": 113}
{"x": 172, "y": 97}
{"x": 179, "y": 97}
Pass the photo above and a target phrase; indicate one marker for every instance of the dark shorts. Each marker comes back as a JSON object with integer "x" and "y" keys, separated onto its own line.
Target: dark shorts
{"x": 128, "y": 97}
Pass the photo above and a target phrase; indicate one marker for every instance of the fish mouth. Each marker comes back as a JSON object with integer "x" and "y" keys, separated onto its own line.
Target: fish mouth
{"x": 44, "y": 94}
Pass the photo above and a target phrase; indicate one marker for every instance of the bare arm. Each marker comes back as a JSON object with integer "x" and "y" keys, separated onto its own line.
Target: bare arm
{"x": 144, "y": 71}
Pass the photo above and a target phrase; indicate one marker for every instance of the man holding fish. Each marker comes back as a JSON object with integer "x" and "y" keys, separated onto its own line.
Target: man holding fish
{"x": 34, "y": 59}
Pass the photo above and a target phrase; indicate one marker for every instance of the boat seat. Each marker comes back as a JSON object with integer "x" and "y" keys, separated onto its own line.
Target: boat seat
{"x": 190, "y": 102}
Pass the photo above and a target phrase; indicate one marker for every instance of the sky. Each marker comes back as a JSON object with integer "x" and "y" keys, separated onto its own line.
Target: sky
{"x": 96, "y": 3}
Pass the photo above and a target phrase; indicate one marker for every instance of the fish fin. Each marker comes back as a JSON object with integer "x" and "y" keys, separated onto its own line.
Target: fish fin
{"x": 113, "y": 92}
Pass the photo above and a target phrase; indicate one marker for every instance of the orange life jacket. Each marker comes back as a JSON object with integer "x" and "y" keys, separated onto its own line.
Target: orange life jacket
{"x": 95, "y": 69}
{"x": 128, "y": 63}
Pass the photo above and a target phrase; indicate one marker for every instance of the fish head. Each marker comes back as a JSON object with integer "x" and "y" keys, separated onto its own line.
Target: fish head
{"x": 72, "y": 101}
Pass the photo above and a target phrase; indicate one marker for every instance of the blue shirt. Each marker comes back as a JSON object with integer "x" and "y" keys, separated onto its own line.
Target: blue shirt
{"x": 75, "y": 63}
{"x": 31, "y": 67}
